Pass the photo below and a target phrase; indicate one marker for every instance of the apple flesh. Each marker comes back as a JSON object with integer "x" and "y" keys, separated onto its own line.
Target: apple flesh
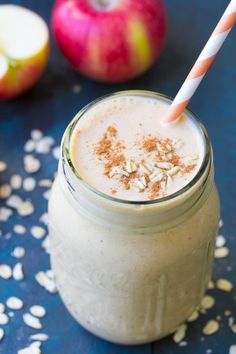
{"x": 110, "y": 40}
{"x": 24, "y": 46}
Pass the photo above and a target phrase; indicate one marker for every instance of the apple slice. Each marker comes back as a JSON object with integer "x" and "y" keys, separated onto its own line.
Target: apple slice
{"x": 24, "y": 47}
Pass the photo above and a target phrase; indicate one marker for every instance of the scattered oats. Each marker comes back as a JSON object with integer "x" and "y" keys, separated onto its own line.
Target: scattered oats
{"x": 224, "y": 285}
{"x": 131, "y": 166}
{"x": 173, "y": 171}
{"x": 46, "y": 282}
{"x": 37, "y": 231}
{"x": 36, "y": 134}
{"x": 227, "y": 313}
{"x": 43, "y": 146}
{"x": 220, "y": 241}
{"x": 178, "y": 143}
{"x": 29, "y": 350}
{"x": 50, "y": 274}
{"x": 5, "y": 271}
{"x": 2, "y": 307}
{"x": 143, "y": 181}
{"x": 76, "y": 88}
{"x": 45, "y": 183}
{"x": 44, "y": 218}
{"x": 232, "y": 349}
{"x": 16, "y": 181}
{"x": 5, "y": 191}
{"x": 14, "y": 201}
{"x": 165, "y": 165}
{"x": 47, "y": 194}
{"x": 5, "y": 213}
{"x": 56, "y": 152}
{"x": 229, "y": 268}
{"x": 218, "y": 318}
{"x": 3, "y": 166}
{"x": 211, "y": 327}
{"x": 46, "y": 245}
{"x": 49, "y": 140}
{"x": 146, "y": 168}
{"x": 189, "y": 160}
{"x": 14, "y": 303}
{"x": 183, "y": 344}
{"x": 233, "y": 328}
{"x": 38, "y": 311}
{"x": 211, "y": 285}
{"x": 1, "y": 334}
{"x": 194, "y": 316}
{"x": 116, "y": 171}
{"x": 169, "y": 182}
{"x": 19, "y": 229}
{"x": 221, "y": 223}
{"x": 156, "y": 177}
{"x": 207, "y": 302}
{"x": 169, "y": 156}
{"x": 31, "y": 164}
{"x": 29, "y": 184}
{"x": 209, "y": 351}
{"x": 32, "y": 321}
{"x": 29, "y": 146}
{"x": 18, "y": 252}
{"x": 11, "y": 314}
{"x": 3, "y": 319}
{"x": 137, "y": 183}
{"x": 26, "y": 208}
{"x": 42, "y": 337}
{"x": 36, "y": 344}
{"x": 221, "y": 252}
{"x": 18, "y": 273}
{"x": 180, "y": 333}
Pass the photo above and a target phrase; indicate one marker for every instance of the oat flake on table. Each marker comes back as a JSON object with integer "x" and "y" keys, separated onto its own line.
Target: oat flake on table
{"x": 18, "y": 273}
{"x": 14, "y": 303}
{"x": 19, "y": 229}
{"x": 32, "y": 321}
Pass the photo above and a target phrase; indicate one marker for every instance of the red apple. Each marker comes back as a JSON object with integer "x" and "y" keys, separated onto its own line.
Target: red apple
{"x": 110, "y": 40}
{"x": 24, "y": 44}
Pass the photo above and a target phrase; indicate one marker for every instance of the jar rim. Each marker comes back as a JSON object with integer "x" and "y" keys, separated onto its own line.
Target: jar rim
{"x": 66, "y": 156}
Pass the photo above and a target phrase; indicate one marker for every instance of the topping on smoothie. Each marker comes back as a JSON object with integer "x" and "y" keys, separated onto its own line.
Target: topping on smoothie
{"x": 121, "y": 145}
{"x": 153, "y": 173}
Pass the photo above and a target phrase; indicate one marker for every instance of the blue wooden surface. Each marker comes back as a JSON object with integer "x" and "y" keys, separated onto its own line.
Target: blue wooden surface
{"x": 51, "y": 104}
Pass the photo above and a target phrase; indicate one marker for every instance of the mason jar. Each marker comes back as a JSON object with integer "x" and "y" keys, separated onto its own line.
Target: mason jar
{"x": 129, "y": 271}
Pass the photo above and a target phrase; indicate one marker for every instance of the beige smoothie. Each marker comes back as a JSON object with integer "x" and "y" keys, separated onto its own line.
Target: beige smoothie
{"x": 123, "y": 149}
{"x": 133, "y": 215}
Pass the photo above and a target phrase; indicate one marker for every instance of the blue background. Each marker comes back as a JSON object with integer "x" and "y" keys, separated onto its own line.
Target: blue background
{"x": 51, "y": 104}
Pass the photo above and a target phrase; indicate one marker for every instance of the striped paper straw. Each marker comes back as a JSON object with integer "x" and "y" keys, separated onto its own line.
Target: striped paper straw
{"x": 203, "y": 63}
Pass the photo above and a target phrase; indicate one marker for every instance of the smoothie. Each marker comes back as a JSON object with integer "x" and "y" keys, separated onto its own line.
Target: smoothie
{"x": 133, "y": 216}
{"x": 123, "y": 149}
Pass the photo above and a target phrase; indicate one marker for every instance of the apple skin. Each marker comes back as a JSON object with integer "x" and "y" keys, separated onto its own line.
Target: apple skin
{"x": 22, "y": 74}
{"x": 113, "y": 44}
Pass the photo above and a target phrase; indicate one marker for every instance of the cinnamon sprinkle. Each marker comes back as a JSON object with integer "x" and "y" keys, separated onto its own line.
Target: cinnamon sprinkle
{"x": 155, "y": 190}
{"x": 153, "y": 178}
{"x": 189, "y": 168}
{"x": 103, "y": 145}
{"x": 150, "y": 144}
{"x": 112, "y": 131}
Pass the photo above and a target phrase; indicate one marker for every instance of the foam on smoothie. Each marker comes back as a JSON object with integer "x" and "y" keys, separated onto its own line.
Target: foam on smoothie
{"x": 122, "y": 148}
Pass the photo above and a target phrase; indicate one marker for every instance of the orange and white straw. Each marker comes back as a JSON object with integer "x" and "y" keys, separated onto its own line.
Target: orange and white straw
{"x": 203, "y": 63}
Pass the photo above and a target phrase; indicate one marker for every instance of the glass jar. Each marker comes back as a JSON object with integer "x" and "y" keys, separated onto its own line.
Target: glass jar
{"x": 131, "y": 272}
